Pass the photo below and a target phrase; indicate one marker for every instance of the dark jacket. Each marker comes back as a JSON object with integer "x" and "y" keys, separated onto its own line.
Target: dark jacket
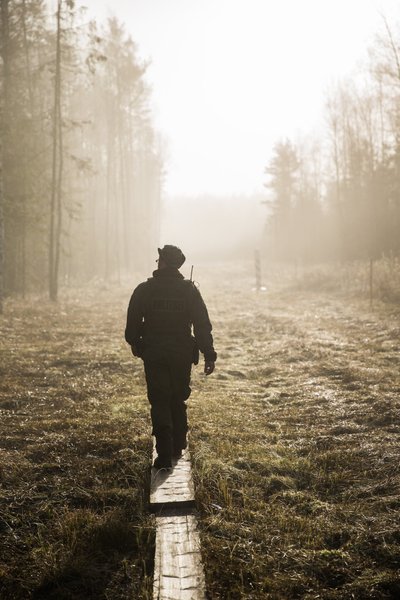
{"x": 161, "y": 313}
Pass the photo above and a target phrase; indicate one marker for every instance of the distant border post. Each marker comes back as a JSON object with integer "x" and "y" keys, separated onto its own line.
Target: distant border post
{"x": 257, "y": 264}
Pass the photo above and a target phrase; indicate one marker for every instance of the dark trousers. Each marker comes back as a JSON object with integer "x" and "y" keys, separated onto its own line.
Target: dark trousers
{"x": 168, "y": 388}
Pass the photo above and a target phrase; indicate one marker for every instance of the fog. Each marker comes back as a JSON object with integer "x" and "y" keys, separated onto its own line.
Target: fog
{"x": 214, "y": 228}
{"x": 144, "y": 123}
{"x": 229, "y": 78}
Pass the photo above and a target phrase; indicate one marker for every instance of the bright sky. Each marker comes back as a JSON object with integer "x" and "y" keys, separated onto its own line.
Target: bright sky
{"x": 230, "y": 77}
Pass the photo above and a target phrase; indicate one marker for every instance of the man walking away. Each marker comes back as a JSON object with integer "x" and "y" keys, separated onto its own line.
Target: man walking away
{"x": 161, "y": 313}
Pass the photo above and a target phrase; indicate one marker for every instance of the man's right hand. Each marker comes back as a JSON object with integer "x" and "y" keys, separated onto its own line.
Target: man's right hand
{"x": 209, "y": 367}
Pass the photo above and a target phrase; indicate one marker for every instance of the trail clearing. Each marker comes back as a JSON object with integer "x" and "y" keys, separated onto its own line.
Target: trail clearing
{"x": 294, "y": 443}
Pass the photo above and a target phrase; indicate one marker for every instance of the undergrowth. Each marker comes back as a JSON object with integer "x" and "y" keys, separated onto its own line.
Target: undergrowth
{"x": 351, "y": 279}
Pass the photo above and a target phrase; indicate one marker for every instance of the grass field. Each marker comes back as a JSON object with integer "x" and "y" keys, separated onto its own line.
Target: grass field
{"x": 294, "y": 440}
{"x": 295, "y": 445}
{"x": 75, "y": 451}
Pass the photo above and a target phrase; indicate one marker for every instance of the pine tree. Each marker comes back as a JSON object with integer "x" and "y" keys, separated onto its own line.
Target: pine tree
{"x": 282, "y": 170}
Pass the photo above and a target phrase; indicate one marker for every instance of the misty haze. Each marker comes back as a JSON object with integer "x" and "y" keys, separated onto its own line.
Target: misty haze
{"x": 199, "y": 299}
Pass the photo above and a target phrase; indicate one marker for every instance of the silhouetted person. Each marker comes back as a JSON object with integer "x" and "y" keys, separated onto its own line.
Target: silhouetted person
{"x": 161, "y": 313}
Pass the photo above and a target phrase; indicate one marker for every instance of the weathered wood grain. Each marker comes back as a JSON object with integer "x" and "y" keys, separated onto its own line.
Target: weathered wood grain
{"x": 174, "y": 487}
{"x": 178, "y": 570}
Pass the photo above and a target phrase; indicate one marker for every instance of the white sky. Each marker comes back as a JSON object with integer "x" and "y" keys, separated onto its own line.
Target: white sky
{"x": 230, "y": 77}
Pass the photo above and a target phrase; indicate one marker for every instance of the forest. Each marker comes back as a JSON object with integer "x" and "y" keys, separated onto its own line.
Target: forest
{"x": 334, "y": 196}
{"x": 82, "y": 164}
{"x": 81, "y": 167}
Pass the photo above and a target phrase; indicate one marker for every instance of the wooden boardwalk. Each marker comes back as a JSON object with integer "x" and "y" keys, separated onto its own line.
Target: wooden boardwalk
{"x": 178, "y": 570}
{"x": 172, "y": 488}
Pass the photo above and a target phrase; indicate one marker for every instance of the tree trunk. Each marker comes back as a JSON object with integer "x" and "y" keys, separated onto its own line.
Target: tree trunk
{"x": 59, "y": 214}
{"x": 32, "y": 112}
{"x": 1, "y": 218}
{"x": 4, "y": 103}
{"x": 107, "y": 211}
{"x": 1, "y": 226}
{"x": 55, "y": 199}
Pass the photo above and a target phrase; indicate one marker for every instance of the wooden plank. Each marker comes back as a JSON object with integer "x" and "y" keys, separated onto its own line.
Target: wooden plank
{"x": 178, "y": 570}
{"x": 173, "y": 487}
